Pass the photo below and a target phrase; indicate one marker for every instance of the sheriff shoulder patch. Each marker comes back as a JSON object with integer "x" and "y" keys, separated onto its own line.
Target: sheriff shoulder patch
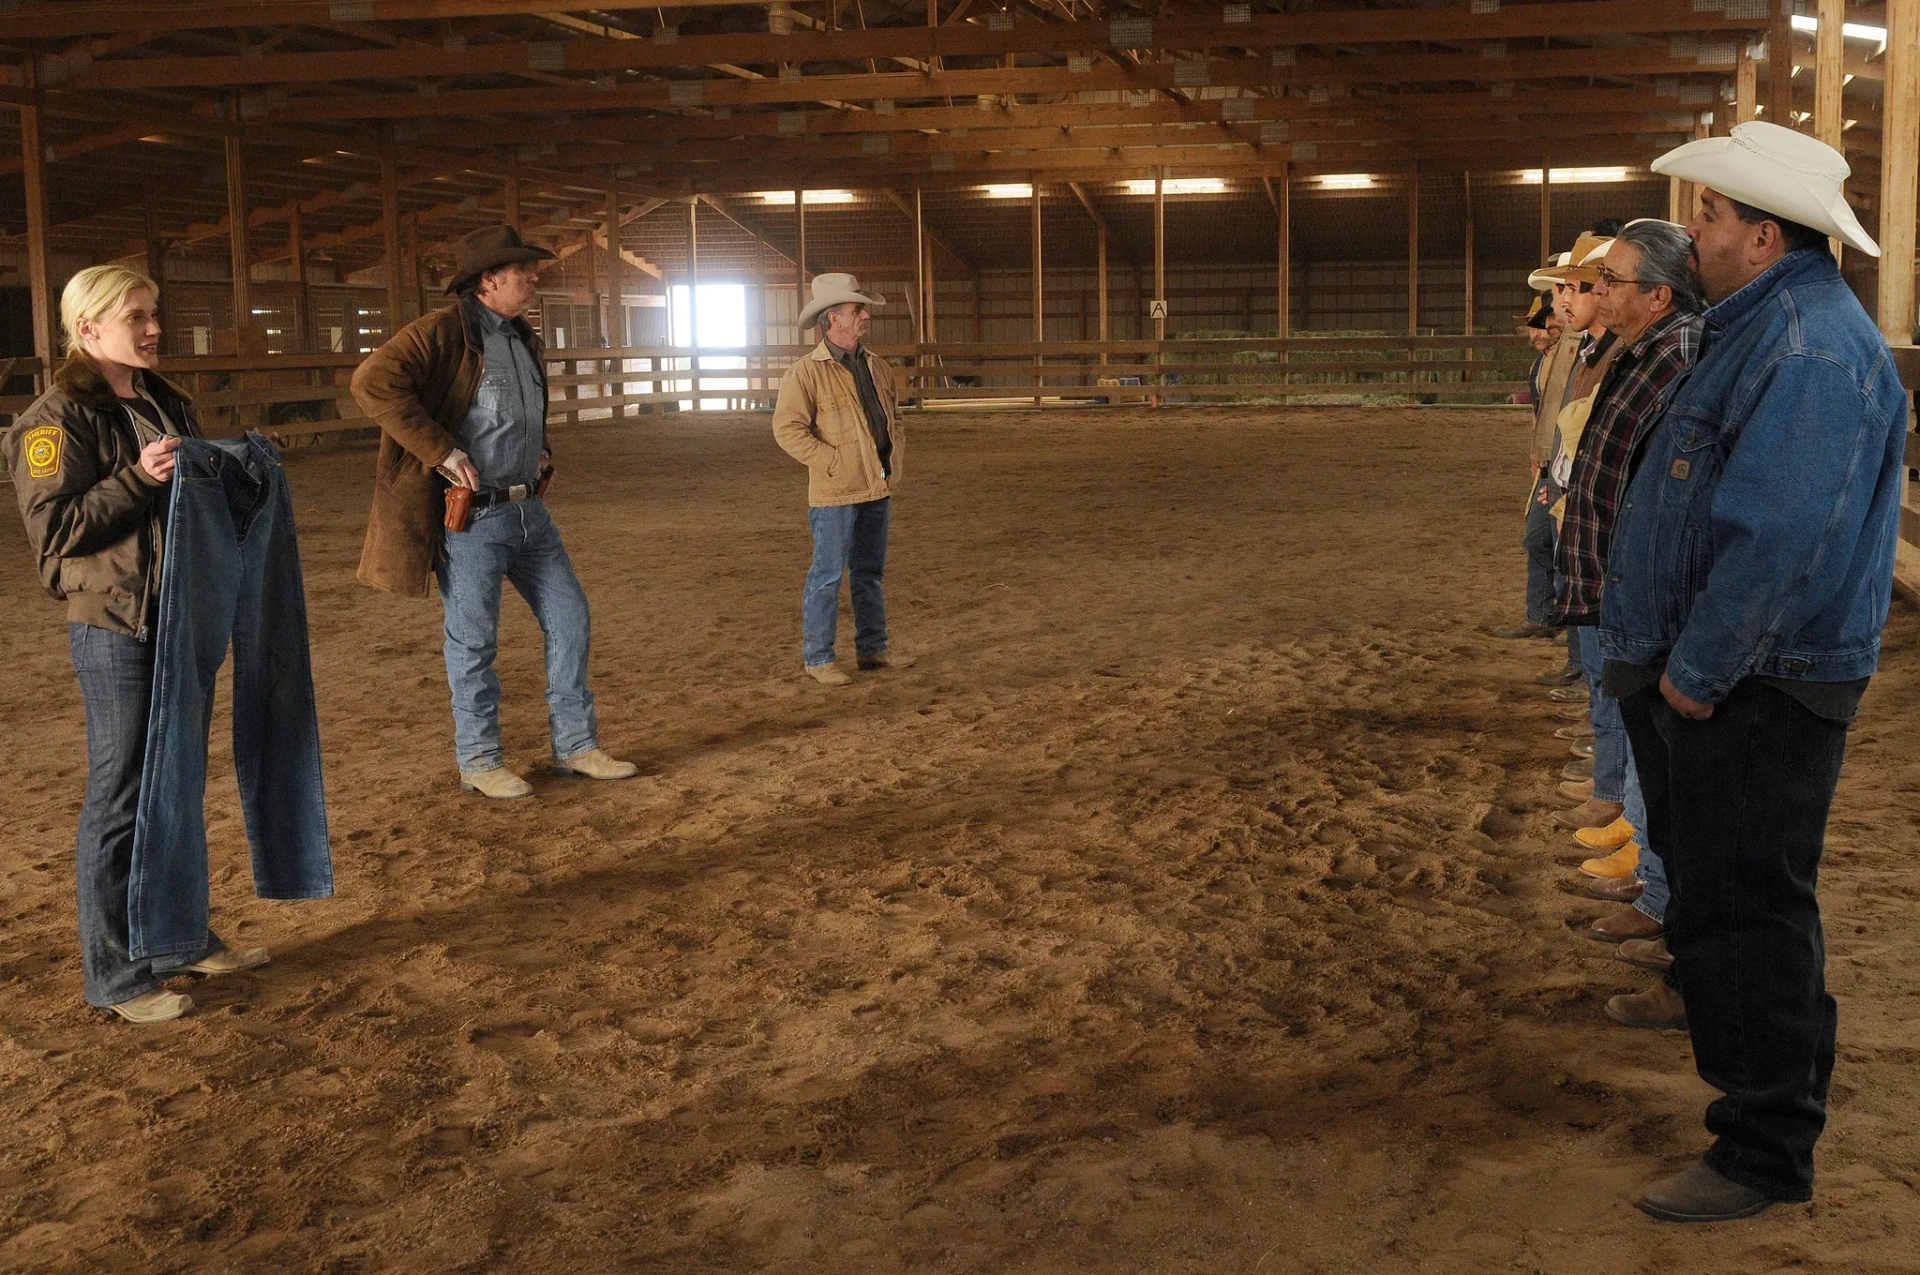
{"x": 42, "y": 448}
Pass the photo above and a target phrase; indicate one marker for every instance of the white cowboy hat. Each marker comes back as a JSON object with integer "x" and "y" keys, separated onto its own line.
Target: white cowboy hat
{"x": 1541, "y": 281}
{"x": 831, "y": 290}
{"x": 1775, "y": 170}
{"x": 1580, "y": 265}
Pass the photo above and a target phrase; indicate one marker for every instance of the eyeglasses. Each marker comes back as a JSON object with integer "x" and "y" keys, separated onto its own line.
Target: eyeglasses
{"x": 1613, "y": 280}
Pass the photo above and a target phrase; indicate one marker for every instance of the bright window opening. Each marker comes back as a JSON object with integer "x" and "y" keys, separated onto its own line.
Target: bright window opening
{"x": 717, "y": 317}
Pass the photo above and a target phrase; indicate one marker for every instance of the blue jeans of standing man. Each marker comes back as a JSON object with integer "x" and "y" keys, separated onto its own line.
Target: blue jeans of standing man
{"x": 851, "y": 541}
{"x": 516, "y": 542}
{"x": 1651, "y": 870}
{"x": 1609, "y": 735}
{"x": 116, "y": 685}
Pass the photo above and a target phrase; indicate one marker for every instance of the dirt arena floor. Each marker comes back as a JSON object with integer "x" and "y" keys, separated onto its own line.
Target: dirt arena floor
{"x": 1191, "y": 907}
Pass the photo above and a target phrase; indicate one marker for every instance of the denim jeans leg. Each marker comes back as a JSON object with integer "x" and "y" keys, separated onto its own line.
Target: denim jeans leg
{"x": 1650, "y": 871}
{"x": 1537, "y": 539}
{"x": 543, "y": 574}
{"x": 1748, "y": 791}
{"x": 820, "y": 600}
{"x": 1609, "y": 737}
{"x": 470, "y": 578}
{"x": 116, "y": 685}
{"x": 866, "y": 564}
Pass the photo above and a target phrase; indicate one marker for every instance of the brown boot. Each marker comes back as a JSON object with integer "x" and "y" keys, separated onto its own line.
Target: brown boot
{"x": 1623, "y": 923}
{"x": 1648, "y": 954}
{"x": 1577, "y": 789}
{"x": 1659, "y": 1007}
{"x": 1592, "y": 814}
{"x": 1610, "y": 889}
{"x": 827, "y": 675}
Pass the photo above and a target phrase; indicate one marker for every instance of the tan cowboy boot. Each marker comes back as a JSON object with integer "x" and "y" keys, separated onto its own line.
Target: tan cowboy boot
{"x": 595, "y": 764}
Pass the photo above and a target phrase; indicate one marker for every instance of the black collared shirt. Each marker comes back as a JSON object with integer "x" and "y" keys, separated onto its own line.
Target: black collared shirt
{"x": 855, "y": 361}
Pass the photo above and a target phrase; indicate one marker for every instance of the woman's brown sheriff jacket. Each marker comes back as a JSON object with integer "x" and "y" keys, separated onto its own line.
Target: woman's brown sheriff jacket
{"x": 418, "y": 388}
{"x": 93, "y": 516}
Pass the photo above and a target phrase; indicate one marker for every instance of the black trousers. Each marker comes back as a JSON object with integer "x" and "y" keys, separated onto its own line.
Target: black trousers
{"x": 1739, "y": 804}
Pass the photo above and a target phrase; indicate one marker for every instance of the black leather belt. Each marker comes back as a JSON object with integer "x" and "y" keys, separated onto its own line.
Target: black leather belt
{"x": 501, "y": 495}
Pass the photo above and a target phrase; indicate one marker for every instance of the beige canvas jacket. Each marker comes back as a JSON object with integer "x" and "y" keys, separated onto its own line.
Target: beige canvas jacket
{"x": 818, "y": 420}
{"x": 1553, "y": 389}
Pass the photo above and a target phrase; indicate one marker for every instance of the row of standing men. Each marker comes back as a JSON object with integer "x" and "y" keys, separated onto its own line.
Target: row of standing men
{"x": 1711, "y": 522}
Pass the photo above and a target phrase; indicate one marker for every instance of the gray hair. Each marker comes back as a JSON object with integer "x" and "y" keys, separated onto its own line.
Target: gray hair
{"x": 1665, "y": 258}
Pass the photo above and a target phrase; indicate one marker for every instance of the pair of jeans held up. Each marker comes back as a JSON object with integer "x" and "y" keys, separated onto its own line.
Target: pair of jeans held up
{"x": 230, "y": 571}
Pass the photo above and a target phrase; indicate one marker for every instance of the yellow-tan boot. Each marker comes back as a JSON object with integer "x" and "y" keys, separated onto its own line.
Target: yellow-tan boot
{"x": 1620, "y": 863}
{"x": 1610, "y": 837}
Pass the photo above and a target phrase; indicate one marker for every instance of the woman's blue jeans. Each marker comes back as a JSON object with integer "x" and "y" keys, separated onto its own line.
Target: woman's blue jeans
{"x": 116, "y": 685}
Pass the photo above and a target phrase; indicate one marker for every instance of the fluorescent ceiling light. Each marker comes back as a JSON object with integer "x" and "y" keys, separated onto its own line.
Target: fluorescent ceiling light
{"x": 1179, "y": 186}
{"x": 1008, "y": 190}
{"x": 1849, "y": 30}
{"x": 1575, "y": 176}
{"x": 1346, "y": 181}
{"x": 813, "y": 197}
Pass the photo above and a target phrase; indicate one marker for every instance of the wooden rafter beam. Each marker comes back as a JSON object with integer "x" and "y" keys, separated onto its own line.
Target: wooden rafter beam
{"x": 600, "y": 54}
{"x": 65, "y": 18}
{"x": 904, "y": 86}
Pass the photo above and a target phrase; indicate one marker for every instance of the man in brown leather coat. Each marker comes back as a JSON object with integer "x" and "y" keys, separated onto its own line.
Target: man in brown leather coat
{"x": 461, "y": 400}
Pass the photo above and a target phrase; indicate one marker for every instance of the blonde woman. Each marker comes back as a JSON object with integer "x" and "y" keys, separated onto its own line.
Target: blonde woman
{"x": 91, "y": 461}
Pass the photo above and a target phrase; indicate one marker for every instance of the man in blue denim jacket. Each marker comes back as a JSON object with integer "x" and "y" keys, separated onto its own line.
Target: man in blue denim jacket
{"x": 1746, "y": 588}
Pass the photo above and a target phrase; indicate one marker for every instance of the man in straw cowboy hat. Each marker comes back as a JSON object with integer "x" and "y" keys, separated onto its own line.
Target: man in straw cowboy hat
{"x": 461, "y": 401}
{"x": 837, "y": 415}
{"x": 1746, "y": 587}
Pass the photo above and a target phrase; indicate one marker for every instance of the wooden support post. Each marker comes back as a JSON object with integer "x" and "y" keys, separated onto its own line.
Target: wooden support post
{"x": 1413, "y": 248}
{"x": 1100, "y": 281}
{"x": 512, "y": 192}
{"x": 302, "y": 292}
{"x": 1830, "y": 75}
{"x": 800, "y": 254}
{"x": 1039, "y": 297}
{"x": 1467, "y": 321}
{"x": 693, "y": 272}
{"x": 1283, "y": 210}
{"x": 920, "y": 267}
{"x": 616, "y": 324}
{"x": 1160, "y": 255}
{"x": 1746, "y": 85}
{"x": 33, "y": 157}
{"x": 929, "y": 259}
{"x": 1159, "y": 276}
{"x": 417, "y": 281}
{"x": 239, "y": 257}
{"x": 390, "y": 226}
{"x": 1899, "y": 167}
{"x": 1780, "y": 67}
{"x": 1546, "y": 209}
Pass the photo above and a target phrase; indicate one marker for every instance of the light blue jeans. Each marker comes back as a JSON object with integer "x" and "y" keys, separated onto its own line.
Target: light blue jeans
{"x": 850, "y": 541}
{"x": 1609, "y": 732}
{"x": 1652, "y": 869}
{"x": 516, "y": 542}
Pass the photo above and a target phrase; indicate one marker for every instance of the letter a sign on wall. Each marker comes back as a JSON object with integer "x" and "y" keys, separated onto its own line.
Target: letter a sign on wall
{"x": 1156, "y": 309}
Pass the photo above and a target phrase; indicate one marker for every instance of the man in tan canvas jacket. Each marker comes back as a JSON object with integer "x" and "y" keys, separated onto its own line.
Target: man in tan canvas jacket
{"x": 837, "y": 414}
{"x": 461, "y": 401}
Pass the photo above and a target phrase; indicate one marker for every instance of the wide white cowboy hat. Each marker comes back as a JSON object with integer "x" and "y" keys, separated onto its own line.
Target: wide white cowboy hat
{"x": 1541, "y": 281}
{"x": 835, "y": 289}
{"x": 1775, "y": 170}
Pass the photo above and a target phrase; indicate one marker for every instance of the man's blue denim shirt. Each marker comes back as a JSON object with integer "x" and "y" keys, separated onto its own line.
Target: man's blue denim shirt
{"x": 507, "y": 422}
{"x": 1757, "y": 535}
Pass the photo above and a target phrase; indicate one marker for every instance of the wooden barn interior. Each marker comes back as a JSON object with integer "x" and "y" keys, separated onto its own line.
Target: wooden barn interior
{"x": 1025, "y": 181}
{"x": 1192, "y": 906}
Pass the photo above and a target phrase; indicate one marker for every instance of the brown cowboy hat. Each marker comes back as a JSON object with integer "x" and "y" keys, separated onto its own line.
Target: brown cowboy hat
{"x": 489, "y": 248}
